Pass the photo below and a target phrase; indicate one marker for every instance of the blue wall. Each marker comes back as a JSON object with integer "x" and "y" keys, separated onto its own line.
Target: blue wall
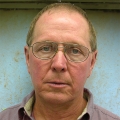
{"x": 15, "y": 82}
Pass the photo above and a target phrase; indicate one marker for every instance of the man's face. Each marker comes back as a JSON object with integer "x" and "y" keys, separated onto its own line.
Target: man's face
{"x": 59, "y": 80}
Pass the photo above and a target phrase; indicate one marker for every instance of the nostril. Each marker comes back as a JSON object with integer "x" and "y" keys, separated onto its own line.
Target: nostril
{"x": 54, "y": 69}
{"x": 58, "y": 69}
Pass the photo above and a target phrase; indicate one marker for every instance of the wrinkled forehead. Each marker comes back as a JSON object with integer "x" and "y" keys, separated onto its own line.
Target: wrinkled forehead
{"x": 54, "y": 25}
{"x": 63, "y": 13}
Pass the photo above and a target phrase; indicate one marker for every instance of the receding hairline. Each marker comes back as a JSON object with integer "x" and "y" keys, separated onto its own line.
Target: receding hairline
{"x": 66, "y": 7}
{"x": 53, "y": 8}
{"x": 62, "y": 11}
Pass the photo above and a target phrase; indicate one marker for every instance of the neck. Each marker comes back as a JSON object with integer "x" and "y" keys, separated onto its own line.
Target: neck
{"x": 70, "y": 111}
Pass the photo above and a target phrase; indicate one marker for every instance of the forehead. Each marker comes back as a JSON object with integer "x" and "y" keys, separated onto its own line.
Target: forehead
{"x": 62, "y": 22}
{"x": 63, "y": 13}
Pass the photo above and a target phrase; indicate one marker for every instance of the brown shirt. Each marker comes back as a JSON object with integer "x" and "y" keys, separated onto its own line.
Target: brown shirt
{"x": 23, "y": 111}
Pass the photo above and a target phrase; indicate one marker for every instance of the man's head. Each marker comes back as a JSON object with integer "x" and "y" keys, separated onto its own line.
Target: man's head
{"x": 63, "y": 6}
{"x": 60, "y": 78}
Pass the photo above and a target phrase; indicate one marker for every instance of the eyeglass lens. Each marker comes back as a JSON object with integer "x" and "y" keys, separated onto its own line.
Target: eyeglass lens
{"x": 47, "y": 50}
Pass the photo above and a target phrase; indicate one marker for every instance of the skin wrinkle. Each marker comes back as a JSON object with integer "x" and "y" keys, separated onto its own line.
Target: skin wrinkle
{"x": 61, "y": 19}
{"x": 59, "y": 68}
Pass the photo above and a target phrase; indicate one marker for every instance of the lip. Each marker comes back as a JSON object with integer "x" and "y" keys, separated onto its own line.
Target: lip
{"x": 57, "y": 84}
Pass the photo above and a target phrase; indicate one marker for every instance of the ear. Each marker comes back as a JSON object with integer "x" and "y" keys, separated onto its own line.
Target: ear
{"x": 26, "y": 51}
{"x": 93, "y": 61}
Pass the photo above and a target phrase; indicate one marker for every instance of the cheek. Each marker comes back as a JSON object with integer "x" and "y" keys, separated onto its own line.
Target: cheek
{"x": 38, "y": 70}
{"x": 79, "y": 73}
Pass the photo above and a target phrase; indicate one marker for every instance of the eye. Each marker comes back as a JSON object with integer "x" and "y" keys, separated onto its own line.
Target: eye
{"x": 75, "y": 51}
{"x": 42, "y": 48}
{"x": 46, "y": 48}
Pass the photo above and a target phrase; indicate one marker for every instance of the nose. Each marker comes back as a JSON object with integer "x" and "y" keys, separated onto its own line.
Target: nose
{"x": 59, "y": 62}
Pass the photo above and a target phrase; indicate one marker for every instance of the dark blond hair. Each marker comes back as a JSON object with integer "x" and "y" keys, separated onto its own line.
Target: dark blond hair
{"x": 69, "y": 7}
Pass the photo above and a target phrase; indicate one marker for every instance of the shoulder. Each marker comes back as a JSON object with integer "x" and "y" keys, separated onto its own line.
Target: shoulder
{"x": 17, "y": 111}
{"x": 10, "y": 113}
{"x": 96, "y": 112}
{"x": 104, "y": 114}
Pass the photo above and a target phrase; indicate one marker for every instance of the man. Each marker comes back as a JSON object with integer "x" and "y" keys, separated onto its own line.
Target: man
{"x": 60, "y": 55}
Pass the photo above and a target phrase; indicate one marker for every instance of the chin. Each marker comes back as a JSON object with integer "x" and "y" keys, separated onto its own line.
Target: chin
{"x": 56, "y": 98}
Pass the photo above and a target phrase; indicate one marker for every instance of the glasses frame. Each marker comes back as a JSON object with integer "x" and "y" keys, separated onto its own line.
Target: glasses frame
{"x": 64, "y": 44}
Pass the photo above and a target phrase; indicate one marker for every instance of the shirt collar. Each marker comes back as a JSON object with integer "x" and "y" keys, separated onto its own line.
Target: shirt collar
{"x": 29, "y": 105}
{"x": 24, "y": 108}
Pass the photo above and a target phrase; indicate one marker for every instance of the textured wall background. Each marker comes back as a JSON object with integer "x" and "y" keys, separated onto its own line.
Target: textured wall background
{"x": 15, "y": 82}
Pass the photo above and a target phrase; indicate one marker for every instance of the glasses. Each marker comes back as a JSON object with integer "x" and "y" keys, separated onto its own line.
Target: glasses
{"x": 73, "y": 52}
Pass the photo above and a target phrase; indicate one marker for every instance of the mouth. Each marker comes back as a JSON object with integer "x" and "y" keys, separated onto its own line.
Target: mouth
{"x": 57, "y": 84}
